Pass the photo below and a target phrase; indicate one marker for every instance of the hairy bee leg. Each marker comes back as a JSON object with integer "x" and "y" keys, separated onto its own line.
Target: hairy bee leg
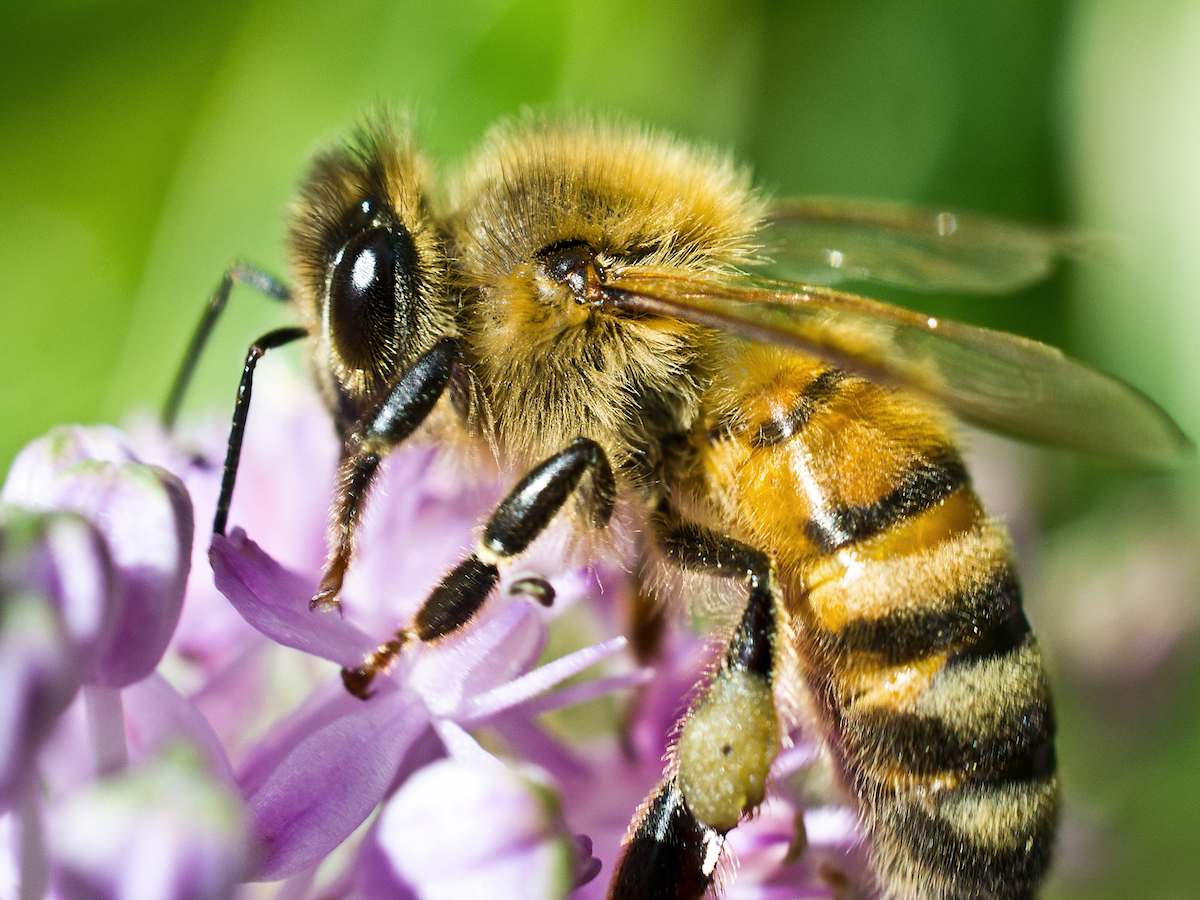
{"x": 519, "y": 518}
{"x": 726, "y": 745}
{"x": 269, "y": 341}
{"x": 647, "y": 625}
{"x": 239, "y": 273}
{"x": 670, "y": 855}
{"x": 407, "y": 405}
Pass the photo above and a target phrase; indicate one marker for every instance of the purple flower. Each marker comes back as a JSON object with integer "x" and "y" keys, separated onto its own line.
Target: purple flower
{"x": 322, "y": 770}
{"x": 94, "y": 555}
{"x": 55, "y": 583}
{"x": 145, "y": 516}
{"x": 167, "y": 830}
{"x": 318, "y": 775}
{"x": 475, "y": 830}
{"x": 464, "y": 769}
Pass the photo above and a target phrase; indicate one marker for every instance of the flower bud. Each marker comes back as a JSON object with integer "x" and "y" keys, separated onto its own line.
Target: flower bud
{"x": 168, "y": 831}
{"x": 459, "y": 830}
{"x": 145, "y": 517}
{"x": 55, "y": 591}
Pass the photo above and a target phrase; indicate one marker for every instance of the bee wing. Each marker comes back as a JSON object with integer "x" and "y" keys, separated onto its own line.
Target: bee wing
{"x": 1004, "y": 382}
{"x": 825, "y": 242}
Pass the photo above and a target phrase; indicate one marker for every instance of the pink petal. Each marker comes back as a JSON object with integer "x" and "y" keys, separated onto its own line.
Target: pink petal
{"x": 486, "y": 653}
{"x": 457, "y": 830}
{"x": 145, "y": 516}
{"x": 275, "y": 602}
{"x": 539, "y": 680}
{"x": 308, "y": 793}
{"x": 165, "y": 831}
{"x": 37, "y": 681}
{"x": 156, "y": 715}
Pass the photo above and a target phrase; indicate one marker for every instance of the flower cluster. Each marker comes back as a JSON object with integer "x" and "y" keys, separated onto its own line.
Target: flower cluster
{"x": 176, "y": 737}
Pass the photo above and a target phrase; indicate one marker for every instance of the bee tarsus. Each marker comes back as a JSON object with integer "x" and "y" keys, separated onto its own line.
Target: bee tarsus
{"x": 405, "y": 406}
{"x": 269, "y": 341}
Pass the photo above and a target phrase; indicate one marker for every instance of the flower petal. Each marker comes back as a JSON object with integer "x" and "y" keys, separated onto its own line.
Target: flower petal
{"x": 55, "y": 582}
{"x": 307, "y": 793}
{"x": 457, "y": 830}
{"x": 275, "y": 602}
{"x": 156, "y": 715}
{"x": 38, "y": 678}
{"x": 485, "y": 654}
{"x": 539, "y": 680}
{"x": 373, "y": 875}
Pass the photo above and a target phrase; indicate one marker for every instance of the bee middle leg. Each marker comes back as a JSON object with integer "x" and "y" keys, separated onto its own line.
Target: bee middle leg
{"x": 725, "y": 747}
{"x": 517, "y": 521}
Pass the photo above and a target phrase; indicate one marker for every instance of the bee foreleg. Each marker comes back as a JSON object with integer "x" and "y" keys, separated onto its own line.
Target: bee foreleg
{"x": 406, "y": 406}
{"x": 725, "y": 747}
{"x": 517, "y": 521}
{"x": 241, "y": 410}
{"x": 238, "y": 273}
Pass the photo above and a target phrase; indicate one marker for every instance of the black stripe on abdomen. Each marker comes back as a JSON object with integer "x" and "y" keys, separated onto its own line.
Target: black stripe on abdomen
{"x": 923, "y": 485}
{"x": 922, "y": 746}
{"x": 971, "y": 842}
{"x": 985, "y": 716}
{"x": 816, "y": 394}
{"x": 984, "y": 618}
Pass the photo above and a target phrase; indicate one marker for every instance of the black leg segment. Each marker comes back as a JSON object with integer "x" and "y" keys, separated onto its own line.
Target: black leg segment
{"x": 406, "y": 406}
{"x": 531, "y": 505}
{"x": 692, "y": 547}
{"x": 519, "y": 519}
{"x": 238, "y": 273}
{"x": 669, "y": 856}
{"x": 456, "y": 600}
{"x": 269, "y": 341}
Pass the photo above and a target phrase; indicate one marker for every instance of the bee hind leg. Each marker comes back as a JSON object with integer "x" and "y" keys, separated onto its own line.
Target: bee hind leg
{"x": 719, "y": 765}
{"x": 517, "y": 521}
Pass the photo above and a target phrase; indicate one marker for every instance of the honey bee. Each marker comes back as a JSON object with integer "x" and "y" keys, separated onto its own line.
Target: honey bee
{"x": 592, "y": 303}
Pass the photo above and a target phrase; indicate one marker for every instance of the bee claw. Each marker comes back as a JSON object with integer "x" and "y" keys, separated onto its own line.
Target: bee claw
{"x": 358, "y": 681}
{"x": 323, "y": 602}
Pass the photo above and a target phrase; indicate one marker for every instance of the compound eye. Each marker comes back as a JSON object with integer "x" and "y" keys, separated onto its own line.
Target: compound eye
{"x": 362, "y": 300}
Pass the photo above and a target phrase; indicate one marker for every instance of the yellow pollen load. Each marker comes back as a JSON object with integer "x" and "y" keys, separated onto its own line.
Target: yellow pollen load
{"x": 726, "y": 749}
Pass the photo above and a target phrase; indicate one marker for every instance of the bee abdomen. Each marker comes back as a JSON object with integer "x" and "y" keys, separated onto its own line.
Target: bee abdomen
{"x": 981, "y": 617}
{"x": 907, "y": 618}
{"x": 922, "y": 485}
{"x": 950, "y": 742}
{"x": 976, "y": 841}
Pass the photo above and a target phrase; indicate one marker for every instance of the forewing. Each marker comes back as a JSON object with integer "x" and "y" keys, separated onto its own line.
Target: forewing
{"x": 826, "y": 242}
{"x": 999, "y": 380}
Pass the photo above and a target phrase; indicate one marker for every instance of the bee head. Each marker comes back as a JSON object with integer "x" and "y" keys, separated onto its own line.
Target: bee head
{"x": 370, "y": 267}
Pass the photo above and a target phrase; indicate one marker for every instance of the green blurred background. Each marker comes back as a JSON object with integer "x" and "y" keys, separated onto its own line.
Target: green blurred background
{"x": 144, "y": 146}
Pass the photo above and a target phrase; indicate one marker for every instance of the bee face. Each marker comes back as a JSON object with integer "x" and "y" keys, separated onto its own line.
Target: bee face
{"x": 370, "y": 268}
{"x": 592, "y": 298}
